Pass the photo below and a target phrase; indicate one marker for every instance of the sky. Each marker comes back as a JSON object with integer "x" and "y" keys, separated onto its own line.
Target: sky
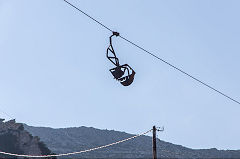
{"x": 54, "y": 71}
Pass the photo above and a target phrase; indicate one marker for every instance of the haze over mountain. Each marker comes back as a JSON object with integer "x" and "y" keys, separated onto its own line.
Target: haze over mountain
{"x": 64, "y": 140}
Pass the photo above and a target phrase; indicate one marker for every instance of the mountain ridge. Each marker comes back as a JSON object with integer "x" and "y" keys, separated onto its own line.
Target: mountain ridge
{"x": 64, "y": 140}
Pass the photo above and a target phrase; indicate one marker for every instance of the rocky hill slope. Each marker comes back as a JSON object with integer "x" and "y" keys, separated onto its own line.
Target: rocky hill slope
{"x": 14, "y": 139}
{"x": 75, "y": 139}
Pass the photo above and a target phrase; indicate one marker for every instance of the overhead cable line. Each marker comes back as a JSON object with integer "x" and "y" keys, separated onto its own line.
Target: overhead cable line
{"x": 88, "y": 16}
{"x": 155, "y": 56}
{"x": 78, "y": 152}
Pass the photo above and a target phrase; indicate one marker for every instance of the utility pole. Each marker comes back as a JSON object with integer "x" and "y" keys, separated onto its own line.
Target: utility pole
{"x": 154, "y": 143}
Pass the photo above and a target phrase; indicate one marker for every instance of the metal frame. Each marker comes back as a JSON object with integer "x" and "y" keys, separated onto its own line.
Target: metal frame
{"x": 119, "y": 71}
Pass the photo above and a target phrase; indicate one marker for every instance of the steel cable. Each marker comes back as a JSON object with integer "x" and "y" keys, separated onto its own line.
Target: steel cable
{"x": 155, "y": 56}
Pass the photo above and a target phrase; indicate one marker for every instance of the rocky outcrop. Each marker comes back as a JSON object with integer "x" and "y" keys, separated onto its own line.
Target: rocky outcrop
{"x": 14, "y": 139}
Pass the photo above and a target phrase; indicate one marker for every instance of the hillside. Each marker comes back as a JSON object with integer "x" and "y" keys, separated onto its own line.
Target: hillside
{"x": 14, "y": 139}
{"x": 75, "y": 139}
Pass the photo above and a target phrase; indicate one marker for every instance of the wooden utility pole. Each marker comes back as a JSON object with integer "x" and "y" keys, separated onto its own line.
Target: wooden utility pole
{"x": 154, "y": 143}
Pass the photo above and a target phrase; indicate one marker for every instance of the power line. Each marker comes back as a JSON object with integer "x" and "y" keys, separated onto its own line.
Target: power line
{"x": 78, "y": 152}
{"x": 155, "y": 56}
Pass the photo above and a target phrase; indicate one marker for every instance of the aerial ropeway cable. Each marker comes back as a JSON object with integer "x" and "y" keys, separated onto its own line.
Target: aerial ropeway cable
{"x": 123, "y": 73}
{"x": 130, "y": 78}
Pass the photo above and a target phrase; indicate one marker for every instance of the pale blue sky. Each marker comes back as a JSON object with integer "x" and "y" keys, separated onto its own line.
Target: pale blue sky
{"x": 54, "y": 71}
